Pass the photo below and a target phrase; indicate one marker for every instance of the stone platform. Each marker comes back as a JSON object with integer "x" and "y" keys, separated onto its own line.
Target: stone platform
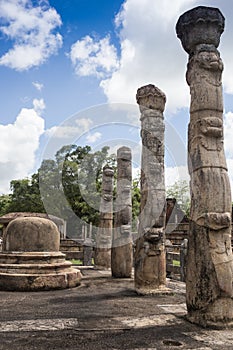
{"x": 102, "y": 314}
{"x": 34, "y": 271}
{"x": 31, "y": 260}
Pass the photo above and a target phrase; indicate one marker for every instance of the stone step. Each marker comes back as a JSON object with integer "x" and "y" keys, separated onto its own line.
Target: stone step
{"x": 31, "y": 257}
{"x": 34, "y": 268}
{"x": 68, "y": 278}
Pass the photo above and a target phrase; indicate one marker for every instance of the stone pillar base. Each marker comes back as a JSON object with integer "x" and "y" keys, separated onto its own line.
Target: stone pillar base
{"x": 102, "y": 258}
{"x": 122, "y": 260}
{"x": 161, "y": 290}
{"x": 36, "y": 271}
{"x": 218, "y": 315}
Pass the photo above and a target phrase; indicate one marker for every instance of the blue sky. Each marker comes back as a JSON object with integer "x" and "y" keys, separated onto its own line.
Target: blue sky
{"x": 62, "y": 61}
{"x": 64, "y": 92}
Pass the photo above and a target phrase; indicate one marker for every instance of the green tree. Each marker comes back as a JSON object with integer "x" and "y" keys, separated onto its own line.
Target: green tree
{"x": 69, "y": 184}
{"x": 82, "y": 176}
{"x": 25, "y": 196}
{"x": 180, "y": 191}
{"x": 72, "y": 183}
{"x": 5, "y": 200}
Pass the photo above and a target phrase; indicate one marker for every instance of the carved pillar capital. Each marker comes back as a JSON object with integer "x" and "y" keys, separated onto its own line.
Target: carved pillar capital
{"x": 124, "y": 153}
{"x": 150, "y": 97}
{"x": 200, "y": 25}
{"x": 108, "y": 171}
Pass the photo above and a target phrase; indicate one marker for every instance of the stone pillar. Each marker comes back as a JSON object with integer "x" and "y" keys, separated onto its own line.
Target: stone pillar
{"x": 122, "y": 258}
{"x": 104, "y": 234}
{"x": 209, "y": 262}
{"x": 87, "y": 252}
{"x": 150, "y": 260}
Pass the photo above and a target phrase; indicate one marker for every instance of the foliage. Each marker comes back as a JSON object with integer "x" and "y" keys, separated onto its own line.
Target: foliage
{"x": 180, "y": 191}
{"x": 175, "y": 262}
{"x": 76, "y": 262}
{"x": 25, "y": 197}
{"x": 5, "y": 200}
{"x": 72, "y": 183}
{"x": 66, "y": 185}
{"x": 79, "y": 262}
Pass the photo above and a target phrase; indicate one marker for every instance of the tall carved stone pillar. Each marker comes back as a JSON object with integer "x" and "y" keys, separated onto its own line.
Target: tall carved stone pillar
{"x": 209, "y": 270}
{"x": 150, "y": 261}
{"x": 104, "y": 234}
{"x": 122, "y": 258}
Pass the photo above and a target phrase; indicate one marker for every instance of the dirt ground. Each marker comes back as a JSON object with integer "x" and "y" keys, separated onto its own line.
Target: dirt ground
{"x": 103, "y": 313}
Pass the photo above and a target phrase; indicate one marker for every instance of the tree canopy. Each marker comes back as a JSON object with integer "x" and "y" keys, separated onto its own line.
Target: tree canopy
{"x": 70, "y": 185}
{"x": 67, "y": 186}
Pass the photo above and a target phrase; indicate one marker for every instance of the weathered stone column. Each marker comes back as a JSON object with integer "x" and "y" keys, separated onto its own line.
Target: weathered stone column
{"x": 87, "y": 252}
{"x": 209, "y": 260}
{"x": 104, "y": 234}
{"x": 150, "y": 261}
{"x": 122, "y": 258}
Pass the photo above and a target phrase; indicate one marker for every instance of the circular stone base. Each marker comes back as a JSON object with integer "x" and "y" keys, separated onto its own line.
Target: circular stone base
{"x": 36, "y": 271}
{"x": 158, "y": 291}
{"x": 26, "y": 283}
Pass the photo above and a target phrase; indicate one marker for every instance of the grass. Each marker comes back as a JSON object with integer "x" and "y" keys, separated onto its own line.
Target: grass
{"x": 175, "y": 262}
{"x": 79, "y": 262}
{"x": 76, "y": 261}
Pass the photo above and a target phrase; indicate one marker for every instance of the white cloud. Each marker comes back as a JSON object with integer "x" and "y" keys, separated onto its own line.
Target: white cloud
{"x": 31, "y": 31}
{"x": 228, "y": 145}
{"x": 92, "y": 138}
{"x": 37, "y": 85}
{"x": 62, "y": 132}
{"x": 84, "y": 123}
{"x": 18, "y": 143}
{"x": 93, "y": 57}
{"x": 230, "y": 172}
{"x": 228, "y": 132}
{"x": 136, "y": 172}
{"x": 150, "y": 52}
{"x": 65, "y": 131}
{"x": 174, "y": 174}
{"x": 38, "y": 105}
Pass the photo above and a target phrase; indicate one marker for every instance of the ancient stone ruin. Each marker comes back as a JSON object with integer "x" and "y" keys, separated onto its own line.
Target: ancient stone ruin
{"x": 210, "y": 261}
{"x": 150, "y": 260}
{"x": 104, "y": 234}
{"x": 122, "y": 254}
{"x": 30, "y": 259}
